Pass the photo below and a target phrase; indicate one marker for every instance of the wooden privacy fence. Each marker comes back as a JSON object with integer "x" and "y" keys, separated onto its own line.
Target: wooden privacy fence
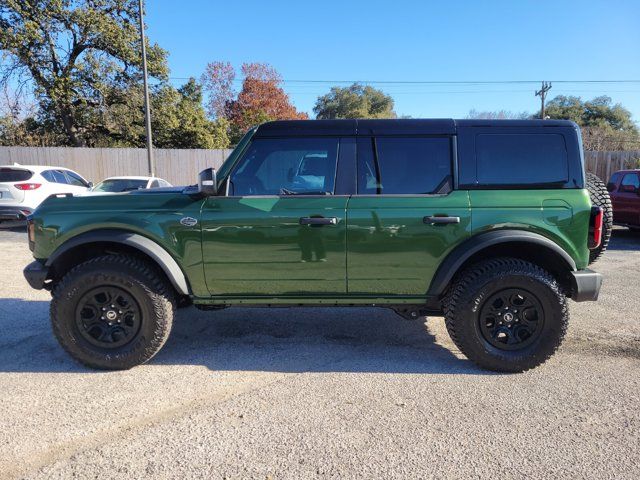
{"x": 603, "y": 164}
{"x": 179, "y": 167}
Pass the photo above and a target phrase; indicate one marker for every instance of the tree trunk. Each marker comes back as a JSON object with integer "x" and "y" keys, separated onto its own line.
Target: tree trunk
{"x": 70, "y": 128}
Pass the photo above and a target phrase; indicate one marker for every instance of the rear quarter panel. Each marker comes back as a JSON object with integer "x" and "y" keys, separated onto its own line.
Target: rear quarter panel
{"x": 560, "y": 215}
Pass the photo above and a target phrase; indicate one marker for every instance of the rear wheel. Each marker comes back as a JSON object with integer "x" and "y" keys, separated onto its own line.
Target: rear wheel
{"x": 506, "y": 314}
{"x": 112, "y": 312}
{"x": 600, "y": 198}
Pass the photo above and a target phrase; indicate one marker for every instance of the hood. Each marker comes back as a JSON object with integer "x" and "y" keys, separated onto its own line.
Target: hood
{"x": 157, "y": 199}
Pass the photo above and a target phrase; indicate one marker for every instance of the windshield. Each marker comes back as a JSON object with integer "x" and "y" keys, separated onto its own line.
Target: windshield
{"x": 233, "y": 156}
{"x": 119, "y": 185}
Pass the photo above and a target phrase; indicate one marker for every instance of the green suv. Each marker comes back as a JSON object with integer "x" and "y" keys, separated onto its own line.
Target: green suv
{"x": 489, "y": 223}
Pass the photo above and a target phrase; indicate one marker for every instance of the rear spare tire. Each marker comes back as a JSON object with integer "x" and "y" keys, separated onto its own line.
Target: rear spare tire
{"x": 600, "y": 198}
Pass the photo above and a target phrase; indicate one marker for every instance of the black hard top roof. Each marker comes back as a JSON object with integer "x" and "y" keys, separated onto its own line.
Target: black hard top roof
{"x": 409, "y": 126}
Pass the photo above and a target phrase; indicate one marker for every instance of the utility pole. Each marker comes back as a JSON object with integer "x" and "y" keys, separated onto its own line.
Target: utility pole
{"x": 147, "y": 109}
{"x": 546, "y": 86}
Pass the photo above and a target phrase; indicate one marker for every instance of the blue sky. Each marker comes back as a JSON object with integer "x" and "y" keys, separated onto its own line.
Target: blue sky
{"x": 414, "y": 41}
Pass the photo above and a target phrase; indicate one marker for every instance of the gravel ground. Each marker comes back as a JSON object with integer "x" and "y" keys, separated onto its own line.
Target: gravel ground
{"x": 315, "y": 393}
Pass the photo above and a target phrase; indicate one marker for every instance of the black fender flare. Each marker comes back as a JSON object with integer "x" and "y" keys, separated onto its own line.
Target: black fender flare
{"x": 460, "y": 254}
{"x": 147, "y": 246}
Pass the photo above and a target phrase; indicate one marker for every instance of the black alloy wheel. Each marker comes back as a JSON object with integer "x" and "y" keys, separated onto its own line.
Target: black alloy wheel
{"x": 108, "y": 317}
{"x": 511, "y": 319}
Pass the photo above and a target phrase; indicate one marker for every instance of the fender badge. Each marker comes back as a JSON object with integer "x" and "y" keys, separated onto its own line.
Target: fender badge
{"x": 188, "y": 221}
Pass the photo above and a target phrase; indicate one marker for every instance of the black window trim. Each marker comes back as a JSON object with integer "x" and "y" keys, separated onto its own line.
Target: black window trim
{"x": 453, "y": 159}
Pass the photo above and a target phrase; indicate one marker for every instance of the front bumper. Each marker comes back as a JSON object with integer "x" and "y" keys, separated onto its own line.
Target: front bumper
{"x": 36, "y": 274}
{"x": 14, "y": 213}
{"x": 585, "y": 285}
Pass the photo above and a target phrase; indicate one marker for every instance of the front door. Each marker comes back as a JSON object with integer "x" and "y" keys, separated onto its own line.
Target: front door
{"x": 406, "y": 217}
{"x": 626, "y": 201}
{"x": 281, "y": 229}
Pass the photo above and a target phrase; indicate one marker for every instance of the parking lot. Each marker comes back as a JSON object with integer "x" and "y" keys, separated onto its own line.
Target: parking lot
{"x": 308, "y": 393}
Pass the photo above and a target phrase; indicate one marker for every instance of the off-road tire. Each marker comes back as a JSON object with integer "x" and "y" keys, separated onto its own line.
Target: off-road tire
{"x": 147, "y": 286}
{"x": 600, "y": 198}
{"x": 465, "y": 299}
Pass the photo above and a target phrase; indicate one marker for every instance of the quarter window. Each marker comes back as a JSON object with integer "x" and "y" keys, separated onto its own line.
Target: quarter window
{"x": 287, "y": 166}
{"x": 521, "y": 159}
{"x": 404, "y": 165}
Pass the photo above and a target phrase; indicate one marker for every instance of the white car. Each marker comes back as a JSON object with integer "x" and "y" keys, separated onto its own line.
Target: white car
{"x": 126, "y": 184}
{"x": 24, "y": 187}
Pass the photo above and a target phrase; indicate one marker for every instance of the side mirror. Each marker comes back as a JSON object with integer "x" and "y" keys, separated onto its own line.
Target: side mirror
{"x": 611, "y": 187}
{"x": 208, "y": 182}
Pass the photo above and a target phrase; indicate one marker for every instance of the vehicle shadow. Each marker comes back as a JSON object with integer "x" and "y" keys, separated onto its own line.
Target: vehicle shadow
{"x": 11, "y": 226}
{"x": 624, "y": 239}
{"x": 252, "y": 339}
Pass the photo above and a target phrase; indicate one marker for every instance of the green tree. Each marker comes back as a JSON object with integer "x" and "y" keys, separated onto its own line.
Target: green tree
{"x": 178, "y": 121}
{"x": 181, "y": 122}
{"x": 355, "y": 101}
{"x": 605, "y": 125}
{"x": 599, "y": 112}
{"x": 81, "y": 57}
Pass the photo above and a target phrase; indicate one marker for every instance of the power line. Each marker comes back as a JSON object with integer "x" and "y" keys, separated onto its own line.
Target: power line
{"x": 442, "y": 82}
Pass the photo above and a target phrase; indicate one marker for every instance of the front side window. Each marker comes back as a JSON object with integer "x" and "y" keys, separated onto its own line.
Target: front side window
{"x": 613, "y": 181}
{"x": 75, "y": 179}
{"x": 404, "y": 165}
{"x": 521, "y": 159}
{"x": 286, "y": 166}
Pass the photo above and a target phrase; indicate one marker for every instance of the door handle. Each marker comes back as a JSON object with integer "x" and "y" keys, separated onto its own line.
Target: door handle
{"x": 431, "y": 220}
{"x": 318, "y": 221}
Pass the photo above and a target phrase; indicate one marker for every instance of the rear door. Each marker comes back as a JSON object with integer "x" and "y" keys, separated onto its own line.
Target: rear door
{"x": 280, "y": 230}
{"x": 406, "y": 216}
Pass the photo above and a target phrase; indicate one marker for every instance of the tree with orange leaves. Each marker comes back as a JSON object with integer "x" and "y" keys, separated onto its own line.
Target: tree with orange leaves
{"x": 261, "y": 98}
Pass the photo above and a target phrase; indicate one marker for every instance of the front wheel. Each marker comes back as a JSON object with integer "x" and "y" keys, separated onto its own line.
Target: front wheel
{"x": 506, "y": 314}
{"x": 112, "y": 312}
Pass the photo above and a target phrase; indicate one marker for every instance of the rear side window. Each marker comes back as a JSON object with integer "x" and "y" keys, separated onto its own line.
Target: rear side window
{"x": 14, "y": 175}
{"x": 54, "y": 176}
{"x": 525, "y": 159}
{"x": 404, "y": 165}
